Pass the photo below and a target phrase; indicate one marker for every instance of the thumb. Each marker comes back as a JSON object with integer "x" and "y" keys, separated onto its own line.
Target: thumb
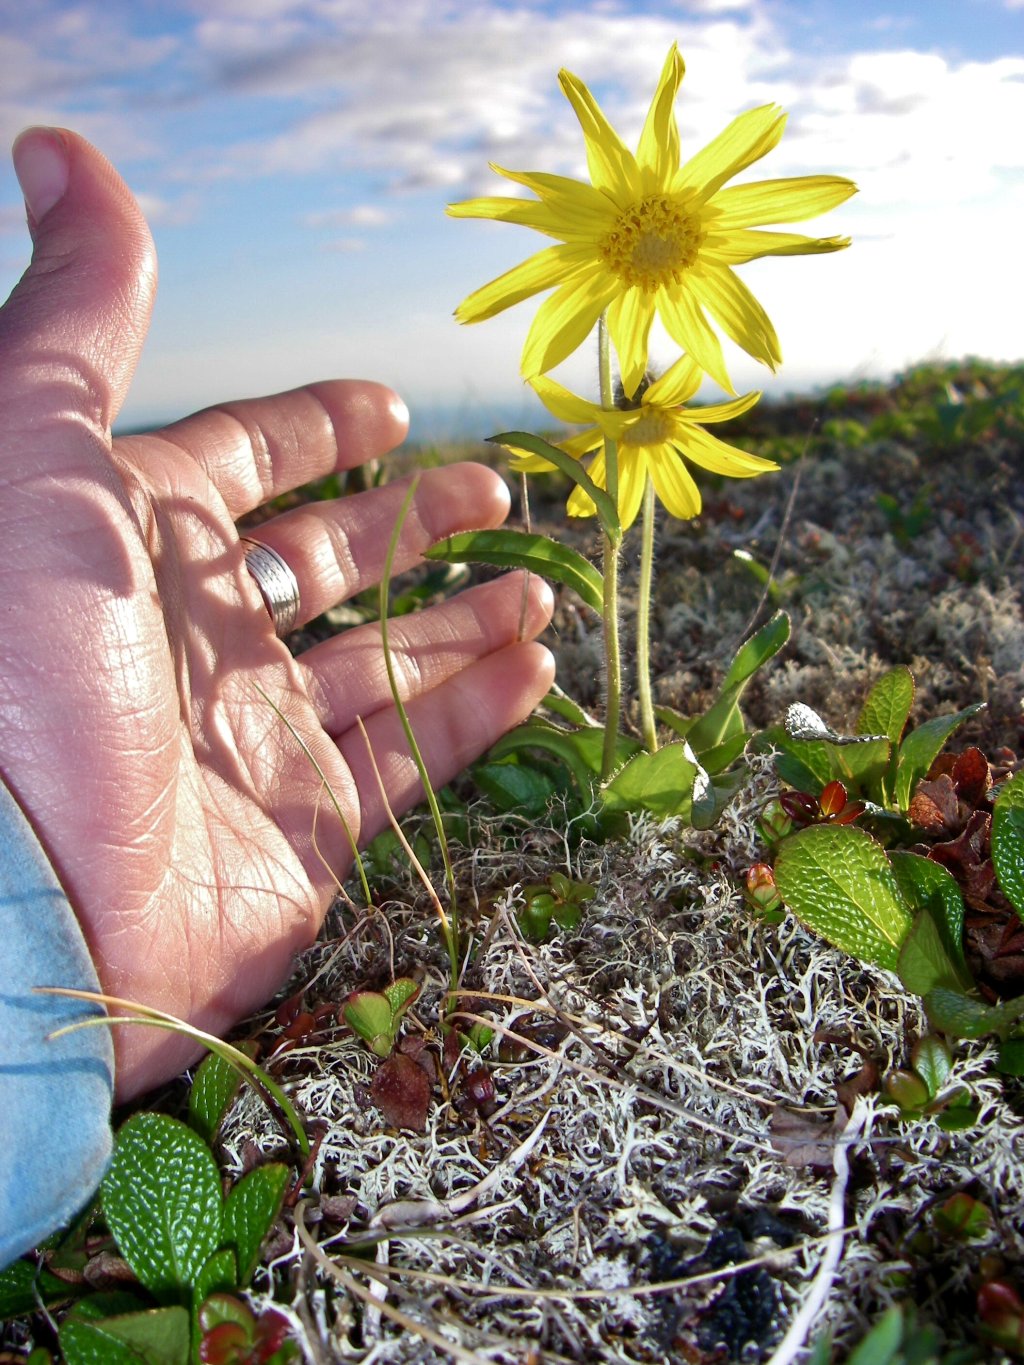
{"x": 72, "y": 330}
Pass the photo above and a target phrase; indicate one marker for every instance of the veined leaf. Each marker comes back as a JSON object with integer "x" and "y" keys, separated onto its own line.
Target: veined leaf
{"x": 923, "y": 961}
{"x": 926, "y": 885}
{"x": 155, "y": 1336}
{"x": 216, "y": 1084}
{"x": 887, "y": 706}
{"x": 1008, "y": 841}
{"x": 961, "y": 1016}
{"x": 162, "y": 1201}
{"x": 249, "y": 1213}
{"x": 838, "y": 881}
{"x": 520, "y": 550}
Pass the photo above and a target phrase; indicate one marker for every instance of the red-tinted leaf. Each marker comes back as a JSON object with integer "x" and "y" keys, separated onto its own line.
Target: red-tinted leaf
{"x": 832, "y": 799}
{"x": 934, "y": 805}
{"x": 401, "y": 1090}
{"x": 800, "y": 807}
{"x": 226, "y": 1344}
{"x": 972, "y": 776}
{"x": 967, "y": 857}
{"x": 850, "y": 812}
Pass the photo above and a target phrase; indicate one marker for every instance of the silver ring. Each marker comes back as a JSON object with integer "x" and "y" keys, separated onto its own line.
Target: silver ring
{"x": 278, "y": 586}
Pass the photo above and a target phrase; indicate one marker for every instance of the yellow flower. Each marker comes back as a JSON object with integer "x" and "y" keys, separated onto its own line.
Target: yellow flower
{"x": 653, "y": 438}
{"x": 650, "y": 236}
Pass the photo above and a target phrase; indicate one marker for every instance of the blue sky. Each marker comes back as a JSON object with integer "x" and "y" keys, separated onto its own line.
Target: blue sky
{"x": 295, "y": 157}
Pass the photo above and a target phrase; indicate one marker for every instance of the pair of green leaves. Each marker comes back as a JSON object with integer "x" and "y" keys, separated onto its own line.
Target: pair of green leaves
{"x": 904, "y": 912}
{"x": 884, "y": 769}
{"x": 692, "y": 777}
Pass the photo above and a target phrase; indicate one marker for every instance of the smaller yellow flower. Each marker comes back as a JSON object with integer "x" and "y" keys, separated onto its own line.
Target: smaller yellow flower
{"x": 653, "y": 438}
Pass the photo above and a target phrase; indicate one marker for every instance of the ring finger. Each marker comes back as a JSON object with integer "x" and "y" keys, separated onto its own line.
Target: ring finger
{"x": 336, "y": 549}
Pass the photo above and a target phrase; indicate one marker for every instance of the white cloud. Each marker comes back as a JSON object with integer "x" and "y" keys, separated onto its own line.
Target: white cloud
{"x": 360, "y": 215}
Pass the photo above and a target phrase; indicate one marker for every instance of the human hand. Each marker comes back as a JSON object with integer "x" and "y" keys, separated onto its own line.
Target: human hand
{"x": 174, "y": 804}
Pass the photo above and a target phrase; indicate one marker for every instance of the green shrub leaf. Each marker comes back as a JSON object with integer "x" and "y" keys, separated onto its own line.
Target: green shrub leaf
{"x": 927, "y": 885}
{"x": 961, "y": 1016}
{"x": 162, "y": 1201}
{"x": 515, "y": 787}
{"x": 923, "y": 961}
{"x": 521, "y": 550}
{"x": 922, "y": 746}
{"x": 157, "y": 1336}
{"x": 838, "y": 881}
{"x": 216, "y": 1084}
{"x": 887, "y": 706}
{"x": 1008, "y": 841}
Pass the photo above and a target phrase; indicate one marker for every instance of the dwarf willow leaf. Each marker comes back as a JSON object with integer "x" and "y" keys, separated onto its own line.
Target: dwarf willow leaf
{"x": 162, "y": 1201}
{"x": 216, "y": 1084}
{"x": 922, "y": 746}
{"x": 838, "y": 881}
{"x": 155, "y": 1336}
{"x": 1008, "y": 841}
{"x": 520, "y": 550}
{"x": 515, "y": 787}
{"x": 926, "y": 885}
{"x": 923, "y": 961}
{"x": 960, "y": 1016}
{"x": 887, "y": 705}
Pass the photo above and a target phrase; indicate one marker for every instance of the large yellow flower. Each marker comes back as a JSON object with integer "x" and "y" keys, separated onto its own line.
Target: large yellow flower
{"x": 649, "y": 236}
{"x": 653, "y": 438}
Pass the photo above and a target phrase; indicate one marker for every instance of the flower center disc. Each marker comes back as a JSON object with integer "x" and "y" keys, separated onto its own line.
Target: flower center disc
{"x": 652, "y": 243}
{"x": 651, "y": 428}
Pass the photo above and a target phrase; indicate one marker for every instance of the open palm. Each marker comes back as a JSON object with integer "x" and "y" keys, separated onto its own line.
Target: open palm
{"x": 136, "y": 656}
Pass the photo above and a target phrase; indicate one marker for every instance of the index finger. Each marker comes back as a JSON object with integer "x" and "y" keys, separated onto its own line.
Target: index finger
{"x": 257, "y": 448}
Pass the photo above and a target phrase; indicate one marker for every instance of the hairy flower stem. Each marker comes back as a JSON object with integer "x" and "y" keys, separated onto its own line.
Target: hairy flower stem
{"x": 643, "y": 621}
{"x": 612, "y": 654}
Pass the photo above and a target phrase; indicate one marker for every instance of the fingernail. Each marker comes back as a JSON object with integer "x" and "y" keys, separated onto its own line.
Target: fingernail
{"x": 41, "y": 165}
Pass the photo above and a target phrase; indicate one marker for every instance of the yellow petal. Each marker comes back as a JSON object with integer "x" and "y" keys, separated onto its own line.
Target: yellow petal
{"x": 721, "y": 412}
{"x": 789, "y": 200}
{"x": 711, "y": 453}
{"x": 740, "y": 245}
{"x": 629, "y": 318}
{"x": 688, "y": 327}
{"x": 566, "y": 319}
{"x": 612, "y": 167}
{"x": 563, "y": 404}
{"x": 677, "y": 385}
{"x": 672, "y": 482}
{"x": 585, "y": 443}
{"x": 747, "y": 138}
{"x": 562, "y": 194}
{"x": 657, "y": 152}
{"x": 632, "y": 479}
{"x": 539, "y": 272}
{"x": 739, "y": 314}
{"x": 581, "y": 504}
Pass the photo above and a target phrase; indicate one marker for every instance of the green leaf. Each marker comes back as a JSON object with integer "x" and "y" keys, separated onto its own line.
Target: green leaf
{"x": 216, "y": 1084}
{"x": 882, "y": 1344}
{"x": 932, "y": 1062}
{"x": 515, "y": 787}
{"x": 220, "y": 1273}
{"x": 924, "y": 962}
{"x": 400, "y": 995}
{"x": 719, "y": 722}
{"x": 24, "y": 1285}
{"x": 162, "y": 1201}
{"x": 887, "y": 706}
{"x": 607, "y": 512}
{"x": 660, "y": 783}
{"x": 838, "y": 881}
{"x": 960, "y": 1016}
{"x": 520, "y": 550}
{"x": 1011, "y": 1057}
{"x": 922, "y": 746}
{"x": 927, "y": 885}
{"x": 1008, "y": 841}
{"x": 157, "y": 1336}
{"x": 368, "y": 1014}
{"x": 579, "y": 750}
